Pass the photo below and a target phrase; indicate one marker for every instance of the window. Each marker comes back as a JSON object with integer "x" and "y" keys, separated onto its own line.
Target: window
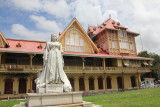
{"x": 120, "y": 43}
{"x": 113, "y": 44}
{"x": 119, "y": 33}
{"x": 131, "y": 47}
{"x": 74, "y": 43}
{"x": 112, "y": 32}
{"x": 71, "y": 39}
{"x": 67, "y": 41}
{"x": 76, "y": 40}
{"x": 67, "y": 47}
{"x": 130, "y": 37}
{"x": 123, "y": 46}
{"x": 127, "y": 45}
{"x": 124, "y": 33}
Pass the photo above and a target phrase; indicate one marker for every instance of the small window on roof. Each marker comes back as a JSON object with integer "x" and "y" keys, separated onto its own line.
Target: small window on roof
{"x": 39, "y": 46}
{"x": 18, "y": 44}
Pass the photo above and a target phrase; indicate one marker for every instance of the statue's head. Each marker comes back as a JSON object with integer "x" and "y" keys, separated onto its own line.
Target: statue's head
{"x": 53, "y": 37}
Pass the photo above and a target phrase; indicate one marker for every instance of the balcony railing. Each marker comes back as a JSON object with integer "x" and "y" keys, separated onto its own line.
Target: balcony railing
{"x": 15, "y": 67}
{"x": 75, "y": 69}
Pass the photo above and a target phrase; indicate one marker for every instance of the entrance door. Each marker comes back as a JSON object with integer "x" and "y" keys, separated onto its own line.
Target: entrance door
{"x": 22, "y": 85}
{"x": 8, "y": 86}
{"x": 109, "y": 85}
{"x": 133, "y": 82}
{"x": 100, "y": 83}
{"x": 119, "y": 81}
{"x": 81, "y": 84}
{"x": 91, "y": 84}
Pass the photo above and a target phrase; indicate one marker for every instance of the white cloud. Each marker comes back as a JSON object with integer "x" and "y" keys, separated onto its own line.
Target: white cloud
{"x": 28, "y": 34}
{"x": 58, "y": 8}
{"x": 30, "y": 5}
{"x": 46, "y": 25}
{"x": 87, "y": 12}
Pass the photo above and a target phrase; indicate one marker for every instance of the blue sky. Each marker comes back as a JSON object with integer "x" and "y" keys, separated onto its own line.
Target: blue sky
{"x": 37, "y": 19}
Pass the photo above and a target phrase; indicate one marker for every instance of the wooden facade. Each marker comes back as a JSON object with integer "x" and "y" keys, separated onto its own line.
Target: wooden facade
{"x": 88, "y": 67}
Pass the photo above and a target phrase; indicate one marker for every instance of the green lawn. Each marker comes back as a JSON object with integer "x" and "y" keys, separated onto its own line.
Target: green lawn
{"x": 137, "y": 98}
{"x": 10, "y": 103}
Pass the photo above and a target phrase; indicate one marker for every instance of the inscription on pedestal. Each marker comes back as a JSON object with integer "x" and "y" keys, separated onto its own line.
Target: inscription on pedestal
{"x": 52, "y": 88}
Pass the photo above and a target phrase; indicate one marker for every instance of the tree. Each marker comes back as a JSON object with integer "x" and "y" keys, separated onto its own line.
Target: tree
{"x": 156, "y": 64}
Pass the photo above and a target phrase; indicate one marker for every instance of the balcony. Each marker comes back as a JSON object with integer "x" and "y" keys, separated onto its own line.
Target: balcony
{"x": 19, "y": 68}
{"x": 73, "y": 69}
{"x": 126, "y": 69}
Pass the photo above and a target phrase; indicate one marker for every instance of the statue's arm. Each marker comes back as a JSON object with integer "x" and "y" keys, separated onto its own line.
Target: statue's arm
{"x": 45, "y": 55}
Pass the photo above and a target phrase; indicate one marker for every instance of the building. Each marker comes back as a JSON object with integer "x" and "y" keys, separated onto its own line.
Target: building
{"x": 104, "y": 58}
{"x": 148, "y": 83}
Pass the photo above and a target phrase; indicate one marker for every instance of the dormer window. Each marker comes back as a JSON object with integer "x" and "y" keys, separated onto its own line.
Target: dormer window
{"x": 40, "y": 46}
{"x": 113, "y": 22}
{"x": 18, "y": 45}
{"x": 118, "y": 23}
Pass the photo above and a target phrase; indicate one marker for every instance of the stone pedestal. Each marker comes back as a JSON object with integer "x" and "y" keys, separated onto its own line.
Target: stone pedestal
{"x": 41, "y": 90}
{"x": 53, "y": 88}
{"x": 53, "y": 99}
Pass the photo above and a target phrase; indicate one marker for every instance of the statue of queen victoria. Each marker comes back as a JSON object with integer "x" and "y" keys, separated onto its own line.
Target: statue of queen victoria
{"x": 53, "y": 63}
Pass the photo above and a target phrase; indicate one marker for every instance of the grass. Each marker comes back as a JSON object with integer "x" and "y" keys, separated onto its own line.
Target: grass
{"x": 136, "y": 98}
{"x": 10, "y": 103}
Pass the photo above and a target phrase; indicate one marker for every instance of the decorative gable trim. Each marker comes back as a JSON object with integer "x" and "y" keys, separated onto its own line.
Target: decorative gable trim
{"x": 4, "y": 39}
{"x": 83, "y": 31}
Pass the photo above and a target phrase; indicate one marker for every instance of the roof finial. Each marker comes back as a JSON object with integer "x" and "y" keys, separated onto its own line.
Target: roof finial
{"x": 109, "y": 15}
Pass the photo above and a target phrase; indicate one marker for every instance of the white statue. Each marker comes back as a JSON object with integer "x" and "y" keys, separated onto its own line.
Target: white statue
{"x": 53, "y": 63}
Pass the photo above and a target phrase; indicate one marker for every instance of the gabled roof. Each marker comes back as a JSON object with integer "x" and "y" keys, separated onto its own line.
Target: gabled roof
{"x": 84, "y": 32}
{"x": 108, "y": 24}
{"x": 4, "y": 38}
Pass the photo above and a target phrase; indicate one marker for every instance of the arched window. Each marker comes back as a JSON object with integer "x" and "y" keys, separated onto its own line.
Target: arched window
{"x": 74, "y": 43}
{"x": 109, "y": 84}
{"x": 119, "y": 82}
{"x": 72, "y": 83}
{"x": 91, "y": 83}
{"x": 81, "y": 84}
{"x": 133, "y": 81}
{"x": 22, "y": 85}
{"x": 100, "y": 83}
{"x": 8, "y": 89}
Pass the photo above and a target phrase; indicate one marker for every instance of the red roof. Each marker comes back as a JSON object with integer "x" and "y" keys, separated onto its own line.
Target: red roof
{"x": 109, "y": 24}
{"x": 28, "y": 46}
{"x": 104, "y": 55}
